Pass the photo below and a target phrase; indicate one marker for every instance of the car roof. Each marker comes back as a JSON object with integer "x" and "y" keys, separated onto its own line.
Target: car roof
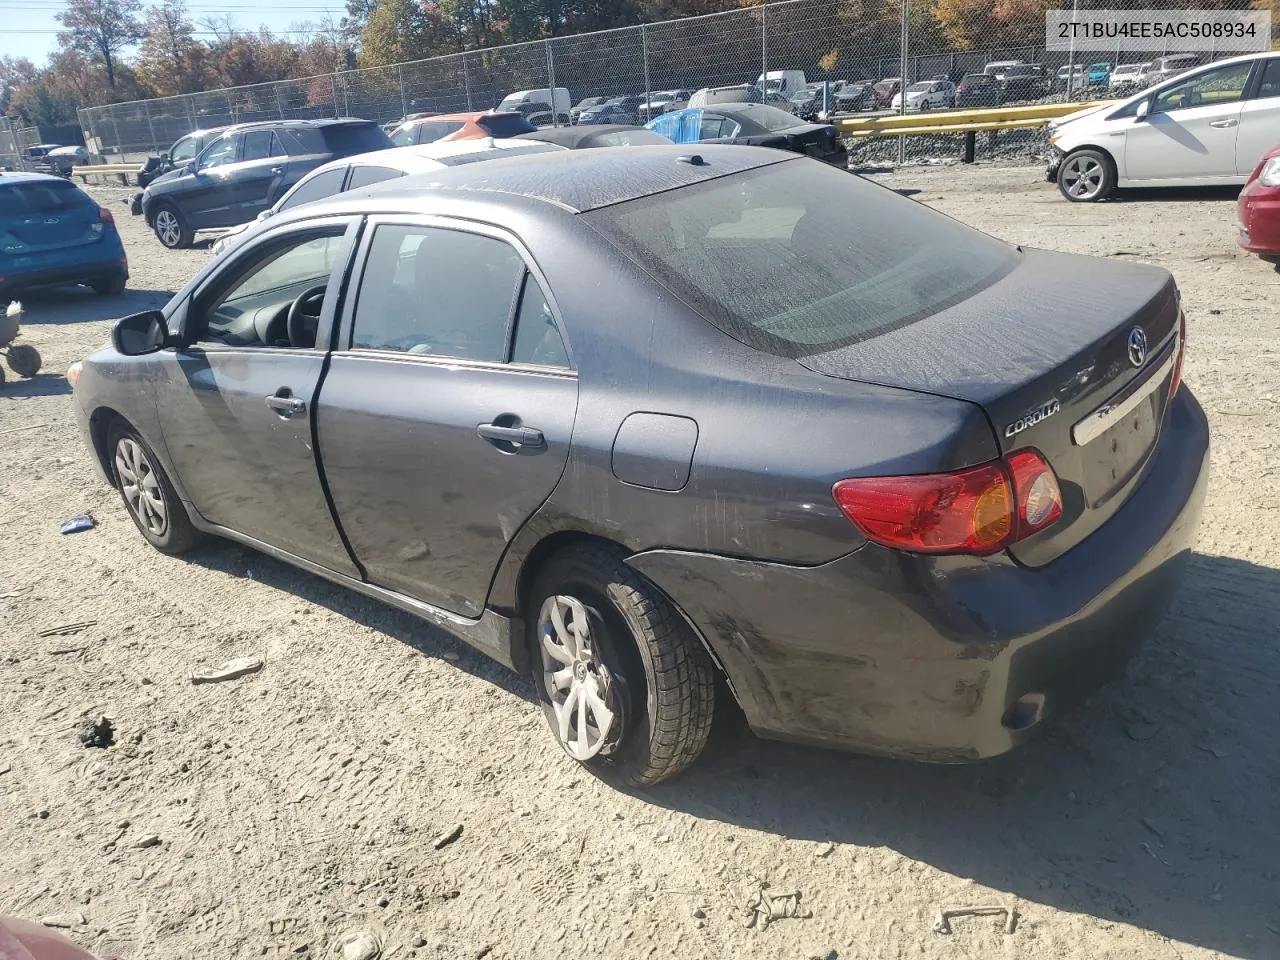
{"x": 295, "y": 124}
{"x": 581, "y": 135}
{"x": 427, "y": 157}
{"x": 10, "y": 178}
{"x": 576, "y": 181}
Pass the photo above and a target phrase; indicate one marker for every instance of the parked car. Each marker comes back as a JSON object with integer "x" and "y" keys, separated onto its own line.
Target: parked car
{"x": 1073, "y": 76}
{"x": 1166, "y": 68}
{"x": 36, "y": 157}
{"x": 245, "y": 170}
{"x": 997, "y": 68}
{"x": 884, "y": 91}
{"x": 52, "y": 232}
{"x": 366, "y": 169}
{"x": 735, "y": 93}
{"x": 394, "y": 125}
{"x": 953, "y": 546}
{"x": 585, "y": 104}
{"x": 1098, "y": 74}
{"x": 753, "y": 124}
{"x": 854, "y": 96}
{"x": 1209, "y": 126}
{"x": 614, "y": 110}
{"x": 785, "y": 83}
{"x": 61, "y": 160}
{"x": 1127, "y": 77}
{"x": 978, "y": 90}
{"x": 926, "y": 95}
{"x": 1023, "y": 81}
{"x": 446, "y": 127}
{"x": 184, "y": 150}
{"x": 542, "y": 108}
{"x": 1258, "y": 208}
{"x": 658, "y": 103}
{"x": 597, "y": 135}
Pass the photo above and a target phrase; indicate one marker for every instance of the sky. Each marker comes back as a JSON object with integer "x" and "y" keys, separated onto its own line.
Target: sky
{"x": 29, "y": 28}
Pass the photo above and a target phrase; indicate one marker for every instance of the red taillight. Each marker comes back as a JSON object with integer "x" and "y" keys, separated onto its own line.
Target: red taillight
{"x": 105, "y": 215}
{"x": 976, "y": 511}
{"x": 1176, "y": 382}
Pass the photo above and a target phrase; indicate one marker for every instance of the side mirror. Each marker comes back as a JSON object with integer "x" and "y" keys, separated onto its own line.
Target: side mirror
{"x": 140, "y": 333}
{"x": 1143, "y": 111}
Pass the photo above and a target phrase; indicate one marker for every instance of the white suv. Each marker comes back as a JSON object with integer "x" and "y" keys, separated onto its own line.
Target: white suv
{"x": 1208, "y": 126}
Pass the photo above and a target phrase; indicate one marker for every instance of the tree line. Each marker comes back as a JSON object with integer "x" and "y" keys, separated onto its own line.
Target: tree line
{"x": 118, "y": 50}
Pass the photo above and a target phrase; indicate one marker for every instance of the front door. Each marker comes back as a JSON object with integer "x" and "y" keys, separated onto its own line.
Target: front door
{"x": 237, "y": 408}
{"x": 206, "y": 200}
{"x": 1190, "y": 132}
{"x": 444, "y": 422}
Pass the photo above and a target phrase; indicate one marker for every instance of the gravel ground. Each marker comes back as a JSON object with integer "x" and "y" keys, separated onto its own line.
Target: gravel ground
{"x": 300, "y": 803}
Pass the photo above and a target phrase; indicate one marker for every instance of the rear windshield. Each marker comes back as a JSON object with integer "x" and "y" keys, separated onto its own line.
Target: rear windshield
{"x": 346, "y": 139}
{"x": 505, "y": 126}
{"x": 770, "y": 118}
{"x": 799, "y": 257}
{"x": 40, "y": 196}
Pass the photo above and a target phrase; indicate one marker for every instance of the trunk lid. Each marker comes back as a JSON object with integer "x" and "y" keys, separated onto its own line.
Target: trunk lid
{"x": 1043, "y": 351}
{"x": 42, "y": 215}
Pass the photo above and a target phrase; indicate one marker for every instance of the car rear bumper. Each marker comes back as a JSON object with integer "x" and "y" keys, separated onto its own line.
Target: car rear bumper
{"x": 945, "y": 659}
{"x": 40, "y": 274}
{"x": 1258, "y": 211}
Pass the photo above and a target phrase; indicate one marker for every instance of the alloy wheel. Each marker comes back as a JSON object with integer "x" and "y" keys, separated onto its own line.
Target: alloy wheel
{"x": 582, "y": 692}
{"x": 168, "y": 228}
{"x": 1082, "y": 177}
{"x": 141, "y": 486}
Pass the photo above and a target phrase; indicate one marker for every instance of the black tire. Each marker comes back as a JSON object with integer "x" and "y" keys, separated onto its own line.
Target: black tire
{"x": 1072, "y": 169}
{"x": 660, "y": 680}
{"x": 111, "y": 287}
{"x": 178, "y": 237}
{"x": 1, "y": 376}
{"x": 177, "y": 534}
{"x": 24, "y": 360}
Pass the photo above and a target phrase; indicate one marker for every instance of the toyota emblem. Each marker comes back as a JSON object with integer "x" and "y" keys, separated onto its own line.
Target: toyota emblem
{"x": 1137, "y": 347}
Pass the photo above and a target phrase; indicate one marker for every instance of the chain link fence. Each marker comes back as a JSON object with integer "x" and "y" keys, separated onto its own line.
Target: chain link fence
{"x": 837, "y": 40}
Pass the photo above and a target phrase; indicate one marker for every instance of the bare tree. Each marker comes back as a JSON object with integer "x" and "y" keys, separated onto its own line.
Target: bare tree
{"x": 101, "y": 27}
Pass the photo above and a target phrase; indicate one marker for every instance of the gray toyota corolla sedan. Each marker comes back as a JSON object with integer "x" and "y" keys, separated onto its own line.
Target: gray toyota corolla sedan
{"x": 631, "y": 421}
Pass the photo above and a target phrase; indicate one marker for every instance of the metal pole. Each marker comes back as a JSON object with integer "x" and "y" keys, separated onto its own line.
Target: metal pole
{"x": 1071, "y": 50}
{"x": 466, "y": 80}
{"x": 333, "y": 85}
{"x": 764, "y": 53}
{"x": 902, "y": 81}
{"x": 648, "y": 91}
{"x": 551, "y": 77}
{"x": 151, "y": 128}
{"x": 404, "y": 103}
{"x": 279, "y": 102}
{"x": 116, "y": 127}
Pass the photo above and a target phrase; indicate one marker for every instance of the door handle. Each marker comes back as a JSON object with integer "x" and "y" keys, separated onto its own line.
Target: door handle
{"x": 1220, "y": 124}
{"x": 277, "y": 170}
{"x": 286, "y": 404}
{"x": 516, "y": 436}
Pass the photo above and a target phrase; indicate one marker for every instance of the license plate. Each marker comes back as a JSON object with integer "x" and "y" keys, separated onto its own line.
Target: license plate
{"x": 1111, "y": 459}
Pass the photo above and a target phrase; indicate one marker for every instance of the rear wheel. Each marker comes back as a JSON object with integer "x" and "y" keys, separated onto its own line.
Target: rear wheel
{"x": 171, "y": 230}
{"x": 148, "y": 495}
{"x": 627, "y": 688}
{"x": 24, "y": 360}
{"x": 1086, "y": 175}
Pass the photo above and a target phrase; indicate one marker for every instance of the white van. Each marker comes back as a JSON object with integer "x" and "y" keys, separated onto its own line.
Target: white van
{"x": 537, "y": 105}
{"x": 782, "y": 82}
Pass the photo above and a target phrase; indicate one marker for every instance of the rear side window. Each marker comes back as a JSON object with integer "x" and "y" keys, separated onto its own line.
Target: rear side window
{"x": 40, "y": 196}
{"x": 505, "y": 126}
{"x": 322, "y": 185}
{"x": 538, "y": 341}
{"x": 1270, "y": 86}
{"x": 261, "y": 144}
{"x": 446, "y": 293}
{"x": 799, "y": 257}
{"x": 364, "y": 176}
{"x": 346, "y": 139}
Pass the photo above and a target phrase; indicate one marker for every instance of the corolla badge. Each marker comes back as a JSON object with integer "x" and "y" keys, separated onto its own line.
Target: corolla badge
{"x": 1137, "y": 347}
{"x": 1030, "y": 419}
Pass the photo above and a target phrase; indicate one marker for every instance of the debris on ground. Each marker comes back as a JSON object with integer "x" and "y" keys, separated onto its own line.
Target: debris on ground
{"x": 66, "y": 629}
{"x": 763, "y": 908}
{"x": 447, "y": 838}
{"x": 78, "y": 524}
{"x": 230, "y": 670}
{"x": 943, "y": 923}
{"x": 825, "y": 851}
{"x": 65, "y": 921}
{"x": 146, "y": 842}
{"x": 99, "y": 733}
{"x": 360, "y": 945}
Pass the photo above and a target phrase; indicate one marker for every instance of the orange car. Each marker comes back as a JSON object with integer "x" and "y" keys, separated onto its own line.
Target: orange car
{"x": 460, "y": 126}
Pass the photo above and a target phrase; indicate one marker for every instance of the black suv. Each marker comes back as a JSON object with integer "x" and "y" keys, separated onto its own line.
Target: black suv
{"x": 246, "y": 169}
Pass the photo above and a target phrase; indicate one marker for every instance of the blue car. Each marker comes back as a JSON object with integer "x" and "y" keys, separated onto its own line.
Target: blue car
{"x": 52, "y": 232}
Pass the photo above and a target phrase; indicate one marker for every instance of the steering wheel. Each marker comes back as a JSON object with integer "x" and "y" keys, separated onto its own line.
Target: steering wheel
{"x": 304, "y": 317}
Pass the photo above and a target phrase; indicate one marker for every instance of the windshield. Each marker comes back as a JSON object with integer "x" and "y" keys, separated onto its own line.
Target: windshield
{"x": 798, "y": 257}
{"x": 511, "y": 103}
{"x": 769, "y": 118}
{"x": 1019, "y": 72}
{"x": 40, "y": 196}
{"x": 346, "y": 139}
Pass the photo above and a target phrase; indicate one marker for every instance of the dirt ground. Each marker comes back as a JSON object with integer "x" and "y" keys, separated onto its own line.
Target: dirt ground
{"x": 301, "y": 803}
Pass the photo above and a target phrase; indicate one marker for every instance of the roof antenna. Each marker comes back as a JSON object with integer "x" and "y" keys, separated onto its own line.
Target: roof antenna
{"x": 693, "y": 161}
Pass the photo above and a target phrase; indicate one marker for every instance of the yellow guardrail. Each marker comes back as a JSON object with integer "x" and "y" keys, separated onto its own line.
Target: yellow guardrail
{"x": 124, "y": 170}
{"x": 958, "y": 121}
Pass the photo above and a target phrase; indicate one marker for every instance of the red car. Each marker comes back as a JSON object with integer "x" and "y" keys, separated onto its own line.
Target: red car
{"x": 1259, "y": 209}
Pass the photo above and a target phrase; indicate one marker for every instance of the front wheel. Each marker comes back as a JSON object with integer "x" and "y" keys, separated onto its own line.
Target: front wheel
{"x": 148, "y": 495}
{"x": 171, "y": 230}
{"x": 626, "y": 686}
{"x": 1086, "y": 175}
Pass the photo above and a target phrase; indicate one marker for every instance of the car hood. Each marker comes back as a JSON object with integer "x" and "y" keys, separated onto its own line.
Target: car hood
{"x": 1079, "y": 115}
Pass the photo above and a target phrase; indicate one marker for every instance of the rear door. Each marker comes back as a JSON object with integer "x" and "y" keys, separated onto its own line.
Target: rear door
{"x": 237, "y": 403}
{"x": 1191, "y": 130}
{"x": 445, "y": 417}
{"x": 258, "y": 179}
{"x": 1259, "y": 117}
